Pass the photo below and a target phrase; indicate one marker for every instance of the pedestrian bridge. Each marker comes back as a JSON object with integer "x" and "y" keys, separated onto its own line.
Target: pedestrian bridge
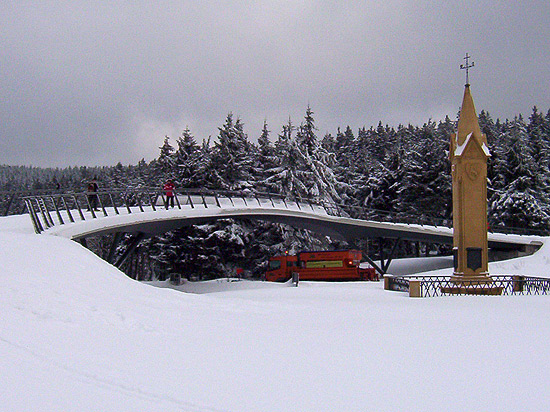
{"x": 143, "y": 212}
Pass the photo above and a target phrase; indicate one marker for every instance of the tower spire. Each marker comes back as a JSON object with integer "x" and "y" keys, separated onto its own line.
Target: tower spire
{"x": 469, "y": 155}
{"x": 468, "y": 121}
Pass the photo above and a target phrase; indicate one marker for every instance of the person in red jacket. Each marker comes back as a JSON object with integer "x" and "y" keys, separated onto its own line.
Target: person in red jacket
{"x": 169, "y": 187}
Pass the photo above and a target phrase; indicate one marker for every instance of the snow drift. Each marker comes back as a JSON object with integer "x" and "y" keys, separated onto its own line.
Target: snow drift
{"x": 78, "y": 335}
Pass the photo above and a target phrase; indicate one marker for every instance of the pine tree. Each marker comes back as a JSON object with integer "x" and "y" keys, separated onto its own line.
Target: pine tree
{"x": 232, "y": 159}
{"x": 379, "y": 182}
{"x": 536, "y": 137}
{"x": 425, "y": 189}
{"x": 518, "y": 198}
{"x": 164, "y": 166}
{"x": 266, "y": 161}
{"x": 205, "y": 177}
{"x": 284, "y": 177}
{"x": 488, "y": 127}
{"x": 329, "y": 143}
{"x": 347, "y": 168}
{"x": 306, "y": 138}
{"x": 187, "y": 159}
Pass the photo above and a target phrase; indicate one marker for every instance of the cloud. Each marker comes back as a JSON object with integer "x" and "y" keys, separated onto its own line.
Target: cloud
{"x": 100, "y": 82}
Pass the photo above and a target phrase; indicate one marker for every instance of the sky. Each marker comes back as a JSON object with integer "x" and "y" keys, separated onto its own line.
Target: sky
{"x": 97, "y": 83}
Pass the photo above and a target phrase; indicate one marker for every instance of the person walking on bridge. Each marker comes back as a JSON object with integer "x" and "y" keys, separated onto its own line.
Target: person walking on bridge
{"x": 92, "y": 194}
{"x": 169, "y": 188}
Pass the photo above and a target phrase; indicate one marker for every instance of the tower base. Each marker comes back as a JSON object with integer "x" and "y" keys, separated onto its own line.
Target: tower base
{"x": 472, "y": 285}
{"x": 471, "y": 279}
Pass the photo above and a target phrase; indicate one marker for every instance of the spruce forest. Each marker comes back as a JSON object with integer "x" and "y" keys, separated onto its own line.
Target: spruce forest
{"x": 401, "y": 172}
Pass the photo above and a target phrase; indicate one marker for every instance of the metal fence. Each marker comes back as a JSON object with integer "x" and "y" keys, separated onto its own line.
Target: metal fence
{"x": 12, "y": 203}
{"x": 430, "y": 286}
{"x": 49, "y": 210}
{"x": 365, "y": 213}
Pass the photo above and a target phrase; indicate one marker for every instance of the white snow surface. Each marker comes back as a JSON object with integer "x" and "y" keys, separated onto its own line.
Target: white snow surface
{"x": 76, "y": 334}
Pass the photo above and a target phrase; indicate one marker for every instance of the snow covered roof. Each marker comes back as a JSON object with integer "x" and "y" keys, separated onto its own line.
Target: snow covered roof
{"x": 460, "y": 148}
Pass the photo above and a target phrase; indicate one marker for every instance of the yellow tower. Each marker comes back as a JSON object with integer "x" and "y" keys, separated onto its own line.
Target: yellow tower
{"x": 468, "y": 155}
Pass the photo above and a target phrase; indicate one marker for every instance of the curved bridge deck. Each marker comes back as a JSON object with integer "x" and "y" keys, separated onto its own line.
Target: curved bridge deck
{"x": 143, "y": 211}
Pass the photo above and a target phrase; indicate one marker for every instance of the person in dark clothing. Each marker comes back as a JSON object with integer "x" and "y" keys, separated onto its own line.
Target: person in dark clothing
{"x": 169, "y": 187}
{"x": 92, "y": 194}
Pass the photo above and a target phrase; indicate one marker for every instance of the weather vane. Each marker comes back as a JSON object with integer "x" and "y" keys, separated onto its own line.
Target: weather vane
{"x": 467, "y": 67}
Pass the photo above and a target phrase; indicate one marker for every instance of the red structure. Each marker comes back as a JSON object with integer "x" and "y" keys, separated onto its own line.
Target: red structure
{"x": 321, "y": 265}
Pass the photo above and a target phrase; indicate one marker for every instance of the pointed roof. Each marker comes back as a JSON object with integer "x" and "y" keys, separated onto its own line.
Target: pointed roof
{"x": 468, "y": 123}
{"x": 468, "y": 130}
{"x": 459, "y": 150}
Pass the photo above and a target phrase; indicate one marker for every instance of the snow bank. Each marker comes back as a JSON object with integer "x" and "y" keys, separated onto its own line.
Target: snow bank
{"x": 78, "y": 335}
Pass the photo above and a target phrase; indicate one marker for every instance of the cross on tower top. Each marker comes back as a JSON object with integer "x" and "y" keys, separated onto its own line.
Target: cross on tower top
{"x": 466, "y": 67}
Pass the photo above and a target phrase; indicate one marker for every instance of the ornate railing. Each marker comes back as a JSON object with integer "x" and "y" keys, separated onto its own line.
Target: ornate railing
{"x": 430, "y": 286}
{"x": 50, "y": 210}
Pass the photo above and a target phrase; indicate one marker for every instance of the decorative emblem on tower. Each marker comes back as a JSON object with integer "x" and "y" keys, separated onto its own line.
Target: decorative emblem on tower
{"x": 473, "y": 170}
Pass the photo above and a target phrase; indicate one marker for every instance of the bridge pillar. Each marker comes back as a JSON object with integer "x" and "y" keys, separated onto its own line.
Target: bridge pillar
{"x": 131, "y": 247}
{"x": 116, "y": 241}
{"x": 385, "y": 260}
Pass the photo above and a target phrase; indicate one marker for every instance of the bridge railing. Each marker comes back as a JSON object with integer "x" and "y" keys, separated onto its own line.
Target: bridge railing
{"x": 12, "y": 203}
{"x": 365, "y": 213}
{"x": 49, "y": 210}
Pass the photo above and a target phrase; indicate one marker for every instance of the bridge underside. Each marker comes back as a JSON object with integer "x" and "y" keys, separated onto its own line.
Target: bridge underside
{"x": 141, "y": 213}
{"x": 389, "y": 235}
{"x": 346, "y": 231}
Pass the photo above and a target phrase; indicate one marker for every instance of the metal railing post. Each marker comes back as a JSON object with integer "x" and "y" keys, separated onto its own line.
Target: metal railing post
{"x": 101, "y": 204}
{"x": 34, "y": 217}
{"x": 78, "y": 207}
{"x": 152, "y": 200}
{"x": 61, "y": 222}
{"x": 48, "y": 211}
{"x": 113, "y": 203}
{"x": 7, "y": 210}
{"x": 42, "y": 208}
{"x": 139, "y": 202}
{"x": 125, "y": 199}
{"x": 67, "y": 209}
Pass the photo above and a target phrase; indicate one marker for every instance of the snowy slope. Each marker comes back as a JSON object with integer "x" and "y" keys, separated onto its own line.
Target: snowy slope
{"x": 78, "y": 335}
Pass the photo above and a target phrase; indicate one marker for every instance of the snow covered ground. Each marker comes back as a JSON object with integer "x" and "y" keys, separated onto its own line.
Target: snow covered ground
{"x": 78, "y": 335}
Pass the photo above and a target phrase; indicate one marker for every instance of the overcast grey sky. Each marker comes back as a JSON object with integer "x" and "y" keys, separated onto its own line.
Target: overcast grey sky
{"x": 98, "y": 82}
